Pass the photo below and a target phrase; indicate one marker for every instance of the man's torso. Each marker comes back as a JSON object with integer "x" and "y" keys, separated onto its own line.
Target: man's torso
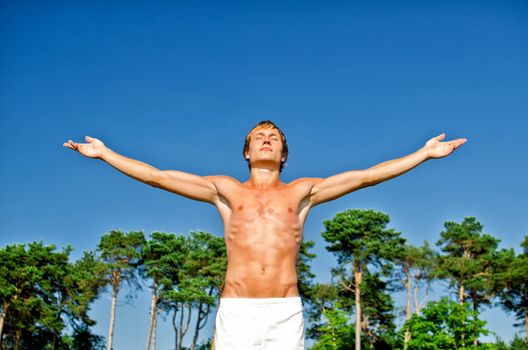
{"x": 263, "y": 233}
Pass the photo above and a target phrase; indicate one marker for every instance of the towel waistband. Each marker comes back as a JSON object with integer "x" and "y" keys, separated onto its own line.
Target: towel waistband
{"x": 261, "y": 301}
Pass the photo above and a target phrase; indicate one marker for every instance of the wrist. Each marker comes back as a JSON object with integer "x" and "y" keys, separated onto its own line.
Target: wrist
{"x": 424, "y": 153}
{"x": 105, "y": 152}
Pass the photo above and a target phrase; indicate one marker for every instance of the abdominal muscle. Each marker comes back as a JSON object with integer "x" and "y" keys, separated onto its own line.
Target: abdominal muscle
{"x": 262, "y": 248}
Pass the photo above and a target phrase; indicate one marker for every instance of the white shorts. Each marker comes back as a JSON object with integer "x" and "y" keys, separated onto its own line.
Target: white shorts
{"x": 260, "y": 324}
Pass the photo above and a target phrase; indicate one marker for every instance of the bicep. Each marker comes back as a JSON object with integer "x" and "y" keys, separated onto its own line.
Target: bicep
{"x": 335, "y": 186}
{"x": 192, "y": 186}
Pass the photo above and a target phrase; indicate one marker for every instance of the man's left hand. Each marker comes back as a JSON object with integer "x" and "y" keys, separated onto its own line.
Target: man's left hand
{"x": 436, "y": 149}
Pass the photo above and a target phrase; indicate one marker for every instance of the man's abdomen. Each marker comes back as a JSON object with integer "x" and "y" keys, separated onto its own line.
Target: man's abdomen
{"x": 253, "y": 276}
{"x": 262, "y": 254}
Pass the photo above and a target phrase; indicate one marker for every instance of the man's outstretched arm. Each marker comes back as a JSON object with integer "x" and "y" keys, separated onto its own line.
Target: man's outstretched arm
{"x": 185, "y": 184}
{"x": 338, "y": 185}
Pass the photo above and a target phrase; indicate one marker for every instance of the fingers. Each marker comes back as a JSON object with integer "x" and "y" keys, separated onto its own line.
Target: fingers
{"x": 440, "y": 137}
{"x": 71, "y": 144}
{"x": 457, "y": 142}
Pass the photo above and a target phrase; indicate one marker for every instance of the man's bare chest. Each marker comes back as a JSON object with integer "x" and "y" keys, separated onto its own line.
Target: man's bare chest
{"x": 254, "y": 205}
{"x": 265, "y": 221}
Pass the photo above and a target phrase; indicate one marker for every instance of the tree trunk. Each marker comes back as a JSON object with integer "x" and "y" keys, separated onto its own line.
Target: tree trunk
{"x": 183, "y": 331}
{"x": 415, "y": 294}
{"x": 197, "y": 327}
{"x": 526, "y": 322}
{"x": 180, "y": 326}
{"x": 357, "y": 282}
{"x": 115, "y": 291}
{"x": 154, "y": 326}
{"x": 149, "y": 331}
{"x": 407, "y": 306}
{"x": 54, "y": 342}
{"x": 152, "y": 314}
{"x": 201, "y": 320}
{"x": 17, "y": 338}
{"x": 175, "y": 328}
{"x": 5, "y": 306}
{"x": 461, "y": 294}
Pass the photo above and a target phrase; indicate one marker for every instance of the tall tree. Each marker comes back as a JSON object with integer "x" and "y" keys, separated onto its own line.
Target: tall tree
{"x": 416, "y": 264}
{"x": 197, "y": 280}
{"x": 15, "y": 279}
{"x": 424, "y": 273}
{"x": 468, "y": 260}
{"x": 121, "y": 252}
{"x": 19, "y": 277}
{"x": 208, "y": 259}
{"x": 360, "y": 241}
{"x": 88, "y": 280}
{"x": 514, "y": 281}
{"x": 378, "y": 326}
{"x": 160, "y": 255}
{"x": 45, "y": 290}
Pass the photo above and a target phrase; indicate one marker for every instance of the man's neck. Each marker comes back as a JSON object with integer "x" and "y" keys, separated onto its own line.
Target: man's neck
{"x": 262, "y": 178}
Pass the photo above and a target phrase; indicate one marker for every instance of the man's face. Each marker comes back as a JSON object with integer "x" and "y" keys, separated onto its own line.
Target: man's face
{"x": 265, "y": 145}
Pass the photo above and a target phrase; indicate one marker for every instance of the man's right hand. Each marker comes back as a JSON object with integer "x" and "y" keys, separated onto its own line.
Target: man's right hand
{"x": 93, "y": 149}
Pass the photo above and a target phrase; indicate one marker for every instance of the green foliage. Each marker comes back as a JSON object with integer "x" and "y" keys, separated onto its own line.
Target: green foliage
{"x": 514, "y": 282}
{"x": 446, "y": 325}
{"x": 360, "y": 237}
{"x": 323, "y": 296}
{"x": 304, "y": 273}
{"x": 43, "y": 294}
{"x": 468, "y": 260}
{"x": 336, "y": 333}
{"x": 418, "y": 263}
{"x": 40, "y": 290}
{"x": 377, "y": 306}
{"x": 163, "y": 256}
{"x": 191, "y": 271}
{"x": 517, "y": 343}
{"x": 205, "y": 345}
{"x": 194, "y": 264}
{"x": 365, "y": 251}
{"x": 121, "y": 254}
{"x": 207, "y": 259}
{"x": 84, "y": 339}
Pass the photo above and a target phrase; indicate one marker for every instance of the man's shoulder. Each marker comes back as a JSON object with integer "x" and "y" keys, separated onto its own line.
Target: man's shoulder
{"x": 222, "y": 180}
{"x": 305, "y": 182}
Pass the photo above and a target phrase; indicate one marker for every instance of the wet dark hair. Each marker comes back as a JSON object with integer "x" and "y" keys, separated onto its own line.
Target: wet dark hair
{"x": 267, "y": 124}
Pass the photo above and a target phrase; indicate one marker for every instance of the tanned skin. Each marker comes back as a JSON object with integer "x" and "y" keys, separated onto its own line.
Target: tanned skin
{"x": 263, "y": 217}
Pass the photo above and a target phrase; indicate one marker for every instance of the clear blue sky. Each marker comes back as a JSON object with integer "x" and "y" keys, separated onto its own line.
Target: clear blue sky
{"x": 179, "y": 84}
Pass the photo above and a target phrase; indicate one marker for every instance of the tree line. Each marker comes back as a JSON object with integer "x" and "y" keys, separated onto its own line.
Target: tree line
{"x": 45, "y": 297}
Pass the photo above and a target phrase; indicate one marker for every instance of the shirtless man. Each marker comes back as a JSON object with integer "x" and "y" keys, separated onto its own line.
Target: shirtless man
{"x": 260, "y": 307}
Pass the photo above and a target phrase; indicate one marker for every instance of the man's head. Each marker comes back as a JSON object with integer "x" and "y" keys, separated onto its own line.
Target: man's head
{"x": 268, "y": 139}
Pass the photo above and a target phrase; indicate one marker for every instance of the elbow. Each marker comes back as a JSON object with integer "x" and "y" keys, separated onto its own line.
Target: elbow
{"x": 369, "y": 178}
{"x": 155, "y": 179}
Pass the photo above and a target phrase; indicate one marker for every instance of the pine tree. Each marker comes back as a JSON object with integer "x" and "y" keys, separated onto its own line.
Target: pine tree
{"x": 361, "y": 243}
{"x": 121, "y": 253}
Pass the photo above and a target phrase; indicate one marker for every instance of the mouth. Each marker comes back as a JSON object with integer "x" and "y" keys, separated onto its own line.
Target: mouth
{"x": 265, "y": 149}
